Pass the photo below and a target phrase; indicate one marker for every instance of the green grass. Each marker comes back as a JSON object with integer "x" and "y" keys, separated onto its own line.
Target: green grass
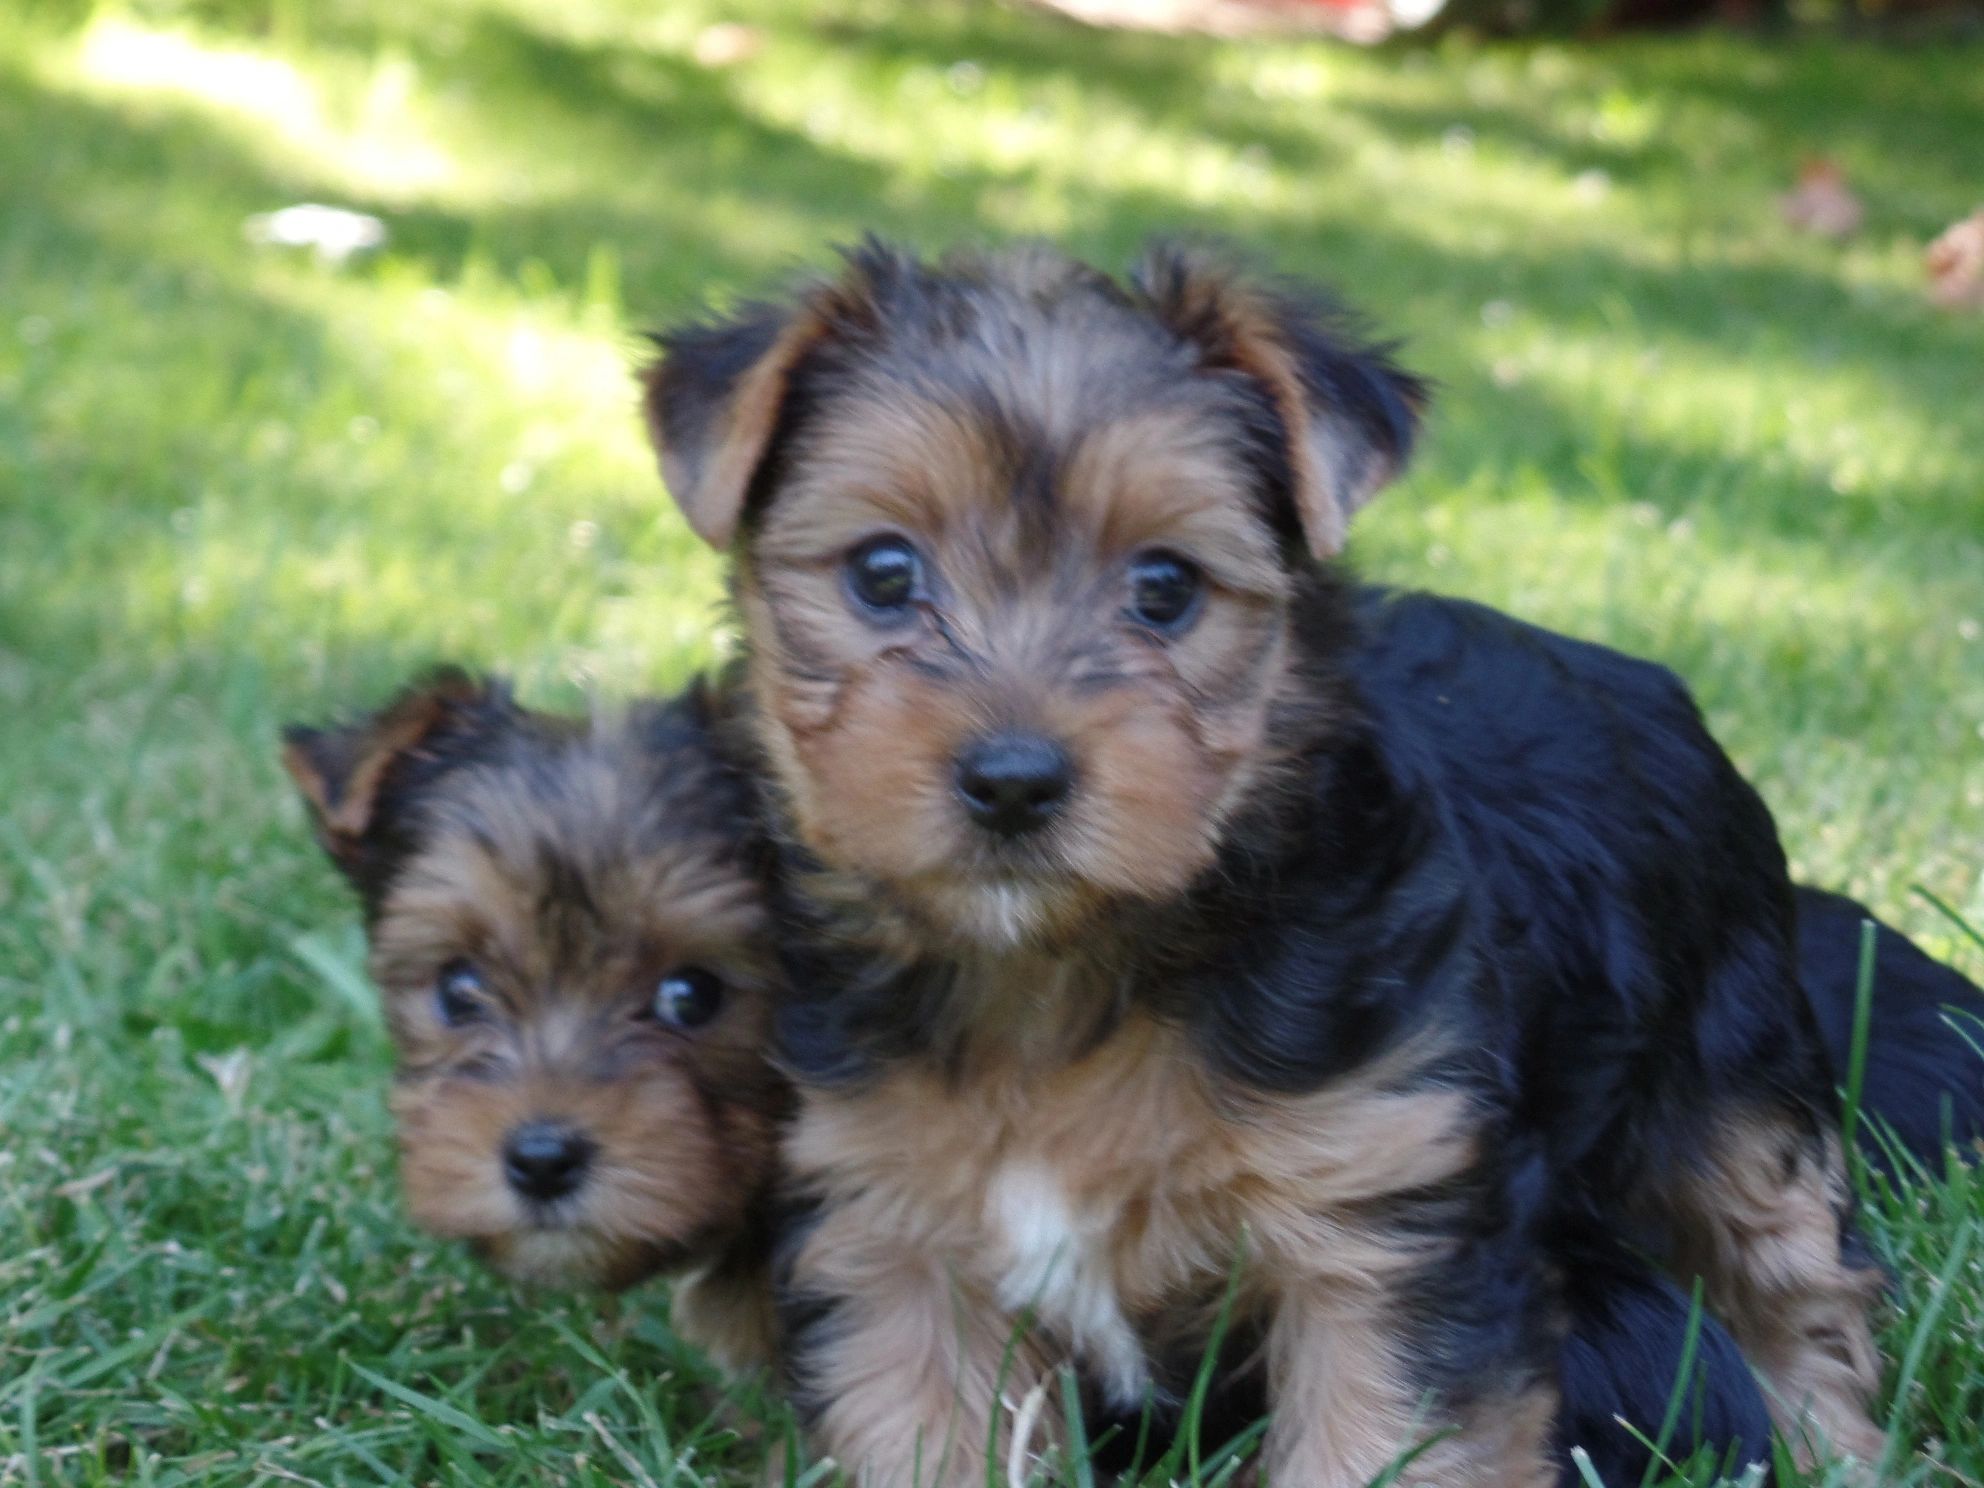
{"x": 237, "y": 487}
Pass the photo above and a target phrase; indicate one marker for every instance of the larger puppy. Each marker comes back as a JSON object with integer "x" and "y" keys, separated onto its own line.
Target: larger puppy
{"x": 1171, "y": 920}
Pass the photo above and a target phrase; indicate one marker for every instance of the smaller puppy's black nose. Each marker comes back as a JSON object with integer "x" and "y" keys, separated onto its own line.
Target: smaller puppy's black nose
{"x": 544, "y": 1160}
{"x": 1012, "y": 783}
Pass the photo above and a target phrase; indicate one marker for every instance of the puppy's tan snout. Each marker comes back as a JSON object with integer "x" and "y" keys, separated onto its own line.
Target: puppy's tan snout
{"x": 1014, "y": 782}
{"x": 546, "y": 1160}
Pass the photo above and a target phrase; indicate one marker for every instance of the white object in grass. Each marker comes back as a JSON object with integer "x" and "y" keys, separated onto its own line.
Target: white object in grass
{"x": 334, "y": 233}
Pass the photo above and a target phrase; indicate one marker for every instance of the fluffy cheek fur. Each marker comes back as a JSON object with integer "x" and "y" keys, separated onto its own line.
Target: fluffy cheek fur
{"x": 1158, "y": 779}
{"x": 671, "y": 1168}
{"x": 866, "y": 748}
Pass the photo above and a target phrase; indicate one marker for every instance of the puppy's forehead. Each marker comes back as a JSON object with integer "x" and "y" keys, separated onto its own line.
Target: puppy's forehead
{"x": 1054, "y": 360}
{"x": 1073, "y": 415}
{"x": 566, "y": 855}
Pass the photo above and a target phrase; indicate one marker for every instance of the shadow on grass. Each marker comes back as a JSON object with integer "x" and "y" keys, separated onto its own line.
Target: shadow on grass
{"x": 701, "y": 131}
{"x": 91, "y": 196}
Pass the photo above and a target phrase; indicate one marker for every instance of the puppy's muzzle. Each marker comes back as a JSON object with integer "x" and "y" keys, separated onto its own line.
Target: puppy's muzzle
{"x": 544, "y": 1161}
{"x": 1013, "y": 783}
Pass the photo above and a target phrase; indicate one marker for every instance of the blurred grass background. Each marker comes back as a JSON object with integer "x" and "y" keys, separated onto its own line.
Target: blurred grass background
{"x": 239, "y": 485}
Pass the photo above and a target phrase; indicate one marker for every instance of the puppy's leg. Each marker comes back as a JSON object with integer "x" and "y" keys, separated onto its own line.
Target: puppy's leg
{"x": 1405, "y": 1293}
{"x": 1765, "y": 1220}
{"x": 914, "y": 1373}
{"x": 1621, "y": 1365}
{"x": 1343, "y": 1407}
{"x": 1346, "y": 1404}
{"x": 725, "y": 1309}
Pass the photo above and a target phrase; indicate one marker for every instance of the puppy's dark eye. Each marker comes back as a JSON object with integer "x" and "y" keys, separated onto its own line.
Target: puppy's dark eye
{"x": 885, "y": 574}
{"x": 460, "y": 994}
{"x": 687, "y": 997}
{"x": 1164, "y": 590}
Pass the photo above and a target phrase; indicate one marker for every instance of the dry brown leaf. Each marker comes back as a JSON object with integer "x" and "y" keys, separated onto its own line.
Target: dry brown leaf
{"x": 1822, "y": 202}
{"x": 1955, "y": 262}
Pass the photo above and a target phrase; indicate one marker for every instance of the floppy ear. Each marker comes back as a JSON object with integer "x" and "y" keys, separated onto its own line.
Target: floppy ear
{"x": 712, "y": 399}
{"x": 342, "y": 770}
{"x": 711, "y": 403}
{"x": 1349, "y": 412}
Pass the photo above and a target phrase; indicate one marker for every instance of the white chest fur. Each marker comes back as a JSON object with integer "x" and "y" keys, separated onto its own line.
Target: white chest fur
{"x": 1087, "y": 1195}
{"x": 1056, "y": 1264}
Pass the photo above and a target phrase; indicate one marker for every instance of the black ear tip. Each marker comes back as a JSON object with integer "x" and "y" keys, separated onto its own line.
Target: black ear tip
{"x": 447, "y": 674}
{"x": 650, "y": 363}
{"x": 313, "y": 756}
{"x": 1402, "y": 399}
{"x": 872, "y": 247}
{"x": 1160, "y": 266}
{"x": 447, "y": 684}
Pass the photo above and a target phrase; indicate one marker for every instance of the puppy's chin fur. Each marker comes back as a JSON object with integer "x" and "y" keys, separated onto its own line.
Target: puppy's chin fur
{"x": 596, "y": 1240}
{"x": 1008, "y": 914}
{"x": 575, "y": 1258}
{"x": 551, "y": 1257}
{"x": 1004, "y": 916}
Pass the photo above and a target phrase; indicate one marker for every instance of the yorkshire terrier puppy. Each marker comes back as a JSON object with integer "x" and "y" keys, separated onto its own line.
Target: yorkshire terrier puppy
{"x": 568, "y": 928}
{"x": 1153, "y": 899}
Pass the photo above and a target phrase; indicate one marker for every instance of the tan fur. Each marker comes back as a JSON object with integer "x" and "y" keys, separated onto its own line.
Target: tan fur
{"x": 1240, "y": 326}
{"x": 1759, "y": 1222}
{"x": 1161, "y": 1179}
{"x": 1235, "y": 322}
{"x": 1150, "y": 479}
{"x": 569, "y": 866}
{"x": 341, "y": 800}
{"x": 572, "y": 903}
{"x": 1051, "y": 1150}
{"x": 1065, "y": 1157}
{"x": 1166, "y": 738}
{"x": 925, "y": 1373}
{"x": 710, "y": 487}
{"x": 725, "y": 1308}
{"x": 1334, "y": 1351}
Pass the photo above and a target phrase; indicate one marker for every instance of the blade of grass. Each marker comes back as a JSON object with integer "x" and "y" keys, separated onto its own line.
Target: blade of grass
{"x": 30, "y": 1436}
{"x": 1078, "y": 1444}
{"x": 1918, "y": 1342}
{"x": 1856, "y": 1063}
{"x": 1684, "y": 1382}
{"x": 1964, "y": 927}
{"x": 435, "y": 1410}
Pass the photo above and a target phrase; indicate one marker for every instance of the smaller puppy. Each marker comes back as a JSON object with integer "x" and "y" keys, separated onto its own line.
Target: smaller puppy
{"x": 568, "y": 929}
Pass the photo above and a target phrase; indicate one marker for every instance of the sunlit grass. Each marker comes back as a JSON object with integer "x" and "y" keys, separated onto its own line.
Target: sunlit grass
{"x": 276, "y": 104}
{"x": 237, "y": 486}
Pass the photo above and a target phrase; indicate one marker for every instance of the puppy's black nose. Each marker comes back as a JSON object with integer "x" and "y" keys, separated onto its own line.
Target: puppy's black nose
{"x": 545, "y": 1161}
{"x": 1012, "y": 783}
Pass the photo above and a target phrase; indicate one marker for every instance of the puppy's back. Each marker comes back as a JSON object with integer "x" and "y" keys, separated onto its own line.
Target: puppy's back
{"x": 1924, "y": 1074}
{"x": 1630, "y": 872}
